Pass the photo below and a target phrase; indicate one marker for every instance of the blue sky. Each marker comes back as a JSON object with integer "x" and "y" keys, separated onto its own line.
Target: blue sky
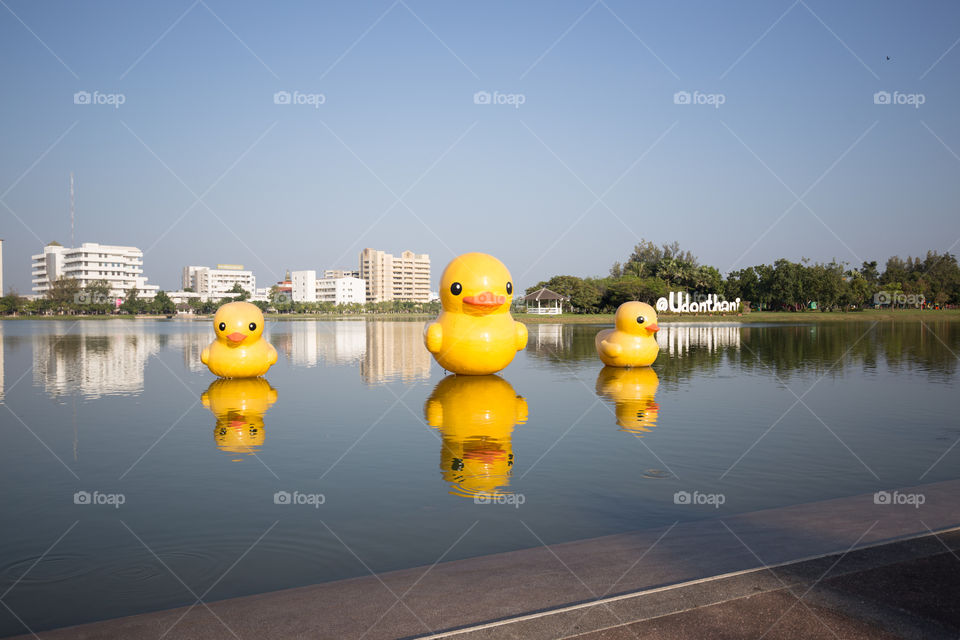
{"x": 200, "y": 166}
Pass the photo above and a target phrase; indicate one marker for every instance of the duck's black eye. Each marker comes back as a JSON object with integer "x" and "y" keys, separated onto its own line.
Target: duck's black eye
{"x": 456, "y": 288}
{"x": 509, "y": 288}
{"x": 223, "y": 326}
{"x": 640, "y": 319}
{"x": 253, "y": 326}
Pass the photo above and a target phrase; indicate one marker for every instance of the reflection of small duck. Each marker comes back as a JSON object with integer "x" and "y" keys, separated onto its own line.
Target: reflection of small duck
{"x": 631, "y": 343}
{"x": 475, "y": 416}
{"x": 474, "y": 333}
{"x": 633, "y": 391}
{"x": 239, "y": 350}
{"x": 239, "y": 406}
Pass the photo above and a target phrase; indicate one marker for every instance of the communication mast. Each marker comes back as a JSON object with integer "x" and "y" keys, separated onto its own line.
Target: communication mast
{"x": 71, "y": 210}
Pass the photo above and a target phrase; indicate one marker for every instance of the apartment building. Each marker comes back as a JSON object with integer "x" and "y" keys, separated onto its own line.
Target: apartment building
{"x": 217, "y": 282}
{"x": 306, "y": 287}
{"x": 404, "y": 278}
{"x": 341, "y": 273}
{"x": 120, "y": 267}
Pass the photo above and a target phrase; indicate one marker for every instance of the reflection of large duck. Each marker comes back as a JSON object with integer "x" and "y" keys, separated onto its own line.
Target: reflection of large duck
{"x": 239, "y": 349}
{"x": 475, "y": 416}
{"x": 633, "y": 392}
{"x": 239, "y": 406}
{"x": 474, "y": 333}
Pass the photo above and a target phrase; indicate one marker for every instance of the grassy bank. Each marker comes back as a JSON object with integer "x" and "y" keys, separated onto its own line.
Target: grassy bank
{"x": 910, "y": 315}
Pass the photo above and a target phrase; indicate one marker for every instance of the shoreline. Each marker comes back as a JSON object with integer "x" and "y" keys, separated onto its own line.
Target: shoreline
{"x": 793, "y": 317}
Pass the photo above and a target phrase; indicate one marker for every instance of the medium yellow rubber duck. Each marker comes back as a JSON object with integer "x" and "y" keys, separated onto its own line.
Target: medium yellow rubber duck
{"x": 475, "y": 333}
{"x": 633, "y": 392}
{"x": 632, "y": 341}
{"x": 476, "y": 416}
{"x": 239, "y": 406}
{"x": 239, "y": 349}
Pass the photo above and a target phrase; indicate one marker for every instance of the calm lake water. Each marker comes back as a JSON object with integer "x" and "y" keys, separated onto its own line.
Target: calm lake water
{"x": 358, "y": 454}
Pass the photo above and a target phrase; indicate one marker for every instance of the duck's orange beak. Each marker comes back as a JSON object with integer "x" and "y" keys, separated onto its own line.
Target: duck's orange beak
{"x": 653, "y": 327}
{"x": 236, "y": 336}
{"x": 485, "y": 299}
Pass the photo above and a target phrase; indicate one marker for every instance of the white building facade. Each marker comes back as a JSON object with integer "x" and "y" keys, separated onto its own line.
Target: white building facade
{"x": 306, "y": 287}
{"x": 217, "y": 282}
{"x": 342, "y": 290}
{"x": 405, "y": 277}
{"x": 119, "y": 266}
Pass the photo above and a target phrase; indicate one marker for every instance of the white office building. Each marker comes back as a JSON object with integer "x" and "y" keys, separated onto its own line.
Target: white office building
{"x": 303, "y": 286}
{"x": 306, "y": 287}
{"x": 120, "y": 267}
{"x": 341, "y": 273}
{"x": 342, "y": 290}
{"x": 218, "y": 282}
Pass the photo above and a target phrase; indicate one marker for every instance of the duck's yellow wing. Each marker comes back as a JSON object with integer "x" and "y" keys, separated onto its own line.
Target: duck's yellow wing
{"x": 433, "y": 337}
{"x": 520, "y": 335}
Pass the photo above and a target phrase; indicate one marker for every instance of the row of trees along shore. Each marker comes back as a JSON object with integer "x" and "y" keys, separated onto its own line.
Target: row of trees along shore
{"x": 652, "y": 271}
{"x": 67, "y": 297}
{"x": 649, "y": 273}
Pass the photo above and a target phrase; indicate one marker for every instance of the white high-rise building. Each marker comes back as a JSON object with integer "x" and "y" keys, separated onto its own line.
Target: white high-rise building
{"x": 218, "y": 282}
{"x": 1, "y": 267}
{"x": 405, "y": 277}
{"x": 304, "y": 286}
{"x": 120, "y": 267}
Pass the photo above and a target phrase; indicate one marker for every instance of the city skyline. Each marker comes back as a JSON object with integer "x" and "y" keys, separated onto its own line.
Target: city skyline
{"x": 270, "y": 136}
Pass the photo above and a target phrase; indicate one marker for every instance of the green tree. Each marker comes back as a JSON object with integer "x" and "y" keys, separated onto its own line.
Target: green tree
{"x": 162, "y": 304}
{"x": 132, "y": 303}
{"x": 96, "y": 297}
{"x": 64, "y": 294}
{"x": 244, "y": 294}
{"x": 632, "y": 288}
{"x": 12, "y": 303}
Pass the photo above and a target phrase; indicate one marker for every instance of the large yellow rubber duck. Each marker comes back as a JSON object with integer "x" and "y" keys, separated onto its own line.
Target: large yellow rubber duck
{"x": 476, "y": 416}
{"x": 239, "y": 349}
{"x": 633, "y": 392}
{"x": 239, "y": 406}
{"x": 632, "y": 342}
{"x": 474, "y": 333}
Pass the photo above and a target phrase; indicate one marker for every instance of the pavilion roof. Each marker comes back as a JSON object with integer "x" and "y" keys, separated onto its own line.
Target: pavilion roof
{"x": 542, "y": 294}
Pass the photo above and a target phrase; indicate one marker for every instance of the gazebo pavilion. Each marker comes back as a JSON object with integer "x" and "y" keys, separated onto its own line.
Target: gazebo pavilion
{"x": 544, "y": 301}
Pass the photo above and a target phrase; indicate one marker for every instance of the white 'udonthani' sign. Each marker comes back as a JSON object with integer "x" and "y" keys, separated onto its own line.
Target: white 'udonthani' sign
{"x": 679, "y": 304}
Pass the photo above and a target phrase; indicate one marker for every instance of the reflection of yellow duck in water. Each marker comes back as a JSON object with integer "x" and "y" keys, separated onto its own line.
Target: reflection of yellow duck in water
{"x": 239, "y": 406}
{"x": 632, "y": 342}
{"x": 633, "y": 392}
{"x": 239, "y": 349}
{"x": 475, "y": 416}
{"x": 474, "y": 333}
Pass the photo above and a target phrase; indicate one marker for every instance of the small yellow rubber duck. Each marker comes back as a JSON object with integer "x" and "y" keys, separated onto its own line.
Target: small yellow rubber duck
{"x": 475, "y": 333}
{"x": 475, "y": 416}
{"x": 238, "y": 351}
{"x": 632, "y": 343}
{"x": 239, "y": 406}
{"x": 633, "y": 392}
